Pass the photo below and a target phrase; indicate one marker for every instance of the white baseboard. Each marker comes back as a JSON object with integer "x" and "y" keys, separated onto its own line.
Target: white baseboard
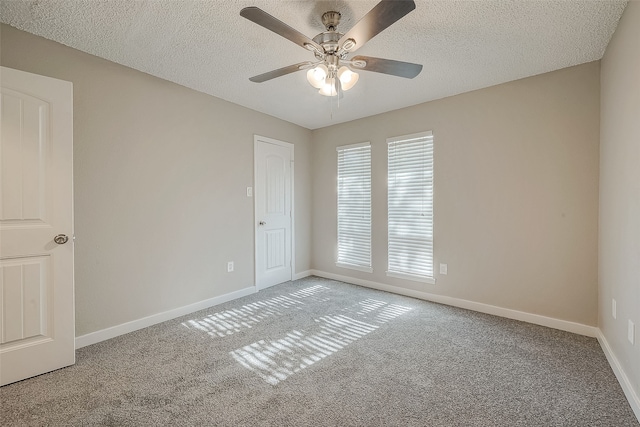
{"x": 134, "y": 325}
{"x": 623, "y": 379}
{"x": 550, "y": 322}
{"x": 302, "y": 275}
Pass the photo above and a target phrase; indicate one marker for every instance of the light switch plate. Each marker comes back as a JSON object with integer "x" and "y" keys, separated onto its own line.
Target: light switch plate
{"x": 631, "y": 332}
{"x": 614, "y": 308}
{"x": 443, "y": 269}
{"x": 249, "y": 191}
{"x": 229, "y": 266}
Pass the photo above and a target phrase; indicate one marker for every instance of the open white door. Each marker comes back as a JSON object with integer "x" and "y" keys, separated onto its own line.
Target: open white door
{"x": 274, "y": 214}
{"x": 37, "y": 330}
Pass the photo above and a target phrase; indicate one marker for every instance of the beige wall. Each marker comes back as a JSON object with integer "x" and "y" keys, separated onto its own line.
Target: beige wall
{"x": 619, "y": 247}
{"x": 516, "y": 193}
{"x": 160, "y": 185}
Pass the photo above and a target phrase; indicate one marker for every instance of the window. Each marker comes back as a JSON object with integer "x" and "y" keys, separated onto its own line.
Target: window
{"x": 354, "y": 207}
{"x": 410, "y": 207}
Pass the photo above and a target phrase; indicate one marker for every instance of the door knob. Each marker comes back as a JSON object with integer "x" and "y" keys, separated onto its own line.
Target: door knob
{"x": 262, "y": 223}
{"x": 61, "y": 239}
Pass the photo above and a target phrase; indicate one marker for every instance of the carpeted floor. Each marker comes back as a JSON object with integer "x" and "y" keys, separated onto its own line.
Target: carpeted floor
{"x": 316, "y": 352}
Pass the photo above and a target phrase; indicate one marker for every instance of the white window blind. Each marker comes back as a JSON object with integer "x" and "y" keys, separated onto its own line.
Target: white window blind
{"x": 410, "y": 207}
{"x": 354, "y": 206}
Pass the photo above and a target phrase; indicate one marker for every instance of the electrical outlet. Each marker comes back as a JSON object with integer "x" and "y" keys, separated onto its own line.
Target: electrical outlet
{"x": 631, "y": 332}
{"x": 249, "y": 191}
{"x": 443, "y": 269}
{"x": 614, "y": 311}
{"x": 229, "y": 266}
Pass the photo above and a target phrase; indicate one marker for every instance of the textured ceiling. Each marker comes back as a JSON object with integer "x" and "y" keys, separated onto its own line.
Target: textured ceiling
{"x": 208, "y": 46}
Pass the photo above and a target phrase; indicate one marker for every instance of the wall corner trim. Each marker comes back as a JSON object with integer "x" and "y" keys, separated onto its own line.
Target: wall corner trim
{"x": 302, "y": 275}
{"x": 563, "y": 325}
{"x": 623, "y": 379}
{"x": 134, "y": 325}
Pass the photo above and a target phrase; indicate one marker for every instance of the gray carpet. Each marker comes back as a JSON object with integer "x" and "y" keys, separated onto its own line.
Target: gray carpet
{"x": 316, "y": 352}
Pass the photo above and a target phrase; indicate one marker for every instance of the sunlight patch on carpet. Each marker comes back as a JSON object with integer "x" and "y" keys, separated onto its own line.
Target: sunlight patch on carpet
{"x": 310, "y": 292}
{"x": 228, "y": 322}
{"x": 382, "y": 311}
{"x": 275, "y": 361}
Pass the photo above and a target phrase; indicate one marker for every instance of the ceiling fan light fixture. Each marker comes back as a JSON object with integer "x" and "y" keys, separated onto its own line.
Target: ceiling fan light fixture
{"x": 317, "y": 76}
{"x": 329, "y": 88}
{"x": 348, "y": 78}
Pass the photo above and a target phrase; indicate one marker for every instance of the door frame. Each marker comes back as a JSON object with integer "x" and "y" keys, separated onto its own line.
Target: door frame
{"x": 257, "y": 139}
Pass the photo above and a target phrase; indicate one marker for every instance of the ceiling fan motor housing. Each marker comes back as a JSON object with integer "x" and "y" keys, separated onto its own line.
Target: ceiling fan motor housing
{"x": 330, "y": 38}
{"x": 328, "y": 41}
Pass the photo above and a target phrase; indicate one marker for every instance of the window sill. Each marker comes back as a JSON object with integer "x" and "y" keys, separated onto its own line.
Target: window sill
{"x": 354, "y": 267}
{"x": 423, "y": 279}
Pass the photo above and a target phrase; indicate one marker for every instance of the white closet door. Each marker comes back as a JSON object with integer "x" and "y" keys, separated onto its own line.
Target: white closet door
{"x": 273, "y": 213}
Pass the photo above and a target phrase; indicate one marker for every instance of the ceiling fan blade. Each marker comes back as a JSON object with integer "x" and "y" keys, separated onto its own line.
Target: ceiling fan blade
{"x": 267, "y": 21}
{"x": 377, "y": 20}
{"x": 387, "y": 66}
{"x": 281, "y": 72}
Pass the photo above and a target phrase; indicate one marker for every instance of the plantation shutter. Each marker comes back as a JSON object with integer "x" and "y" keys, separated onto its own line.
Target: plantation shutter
{"x": 410, "y": 207}
{"x": 354, "y": 206}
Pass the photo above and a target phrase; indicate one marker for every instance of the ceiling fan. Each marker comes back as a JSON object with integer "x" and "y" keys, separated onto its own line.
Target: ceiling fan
{"x": 333, "y": 72}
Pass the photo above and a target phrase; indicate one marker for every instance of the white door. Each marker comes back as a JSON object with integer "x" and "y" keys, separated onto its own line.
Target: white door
{"x": 273, "y": 184}
{"x": 37, "y": 330}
